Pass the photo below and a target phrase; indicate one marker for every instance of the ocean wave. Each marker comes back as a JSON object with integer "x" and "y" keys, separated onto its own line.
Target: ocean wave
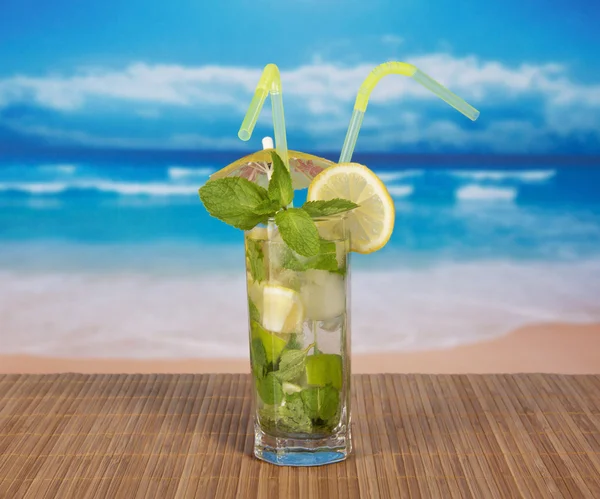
{"x": 476, "y": 192}
{"x": 34, "y": 187}
{"x": 122, "y": 188}
{"x": 523, "y": 176}
{"x": 179, "y": 172}
{"x": 400, "y": 191}
{"x": 65, "y": 169}
{"x": 391, "y": 176}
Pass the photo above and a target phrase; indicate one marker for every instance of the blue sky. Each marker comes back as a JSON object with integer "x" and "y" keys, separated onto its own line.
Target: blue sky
{"x": 180, "y": 74}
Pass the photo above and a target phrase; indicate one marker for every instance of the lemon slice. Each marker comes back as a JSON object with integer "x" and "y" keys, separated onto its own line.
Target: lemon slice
{"x": 282, "y": 309}
{"x": 372, "y": 223}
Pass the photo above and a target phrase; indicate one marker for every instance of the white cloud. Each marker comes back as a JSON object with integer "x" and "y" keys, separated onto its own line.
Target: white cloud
{"x": 500, "y": 136}
{"x": 317, "y": 82}
{"x": 175, "y": 141}
{"x": 319, "y": 98}
{"x": 139, "y": 82}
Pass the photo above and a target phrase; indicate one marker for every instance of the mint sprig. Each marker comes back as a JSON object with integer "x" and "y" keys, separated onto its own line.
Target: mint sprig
{"x": 258, "y": 358}
{"x": 244, "y": 204}
{"x": 298, "y": 231}
{"x": 269, "y": 389}
{"x": 325, "y": 260}
{"x": 292, "y": 364}
{"x": 233, "y": 200}
{"x": 256, "y": 257}
{"x": 280, "y": 185}
{"x": 329, "y": 207}
{"x": 289, "y": 417}
{"x": 253, "y": 311}
{"x": 321, "y": 402}
{"x": 268, "y": 208}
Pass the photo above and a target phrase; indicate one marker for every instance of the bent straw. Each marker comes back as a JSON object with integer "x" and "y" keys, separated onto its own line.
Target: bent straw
{"x": 270, "y": 82}
{"x": 401, "y": 68}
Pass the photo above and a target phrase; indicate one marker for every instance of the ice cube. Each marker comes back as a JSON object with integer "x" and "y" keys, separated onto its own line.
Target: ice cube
{"x": 323, "y": 294}
{"x": 286, "y": 278}
{"x": 340, "y": 253}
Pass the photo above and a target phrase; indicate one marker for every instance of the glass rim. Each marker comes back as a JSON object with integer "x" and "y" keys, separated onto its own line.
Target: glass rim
{"x": 324, "y": 218}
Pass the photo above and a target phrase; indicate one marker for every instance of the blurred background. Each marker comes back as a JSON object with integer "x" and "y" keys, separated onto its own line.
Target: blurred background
{"x": 113, "y": 114}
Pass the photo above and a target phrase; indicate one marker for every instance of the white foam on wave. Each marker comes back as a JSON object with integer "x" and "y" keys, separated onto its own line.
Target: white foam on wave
{"x": 391, "y": 176}
{"x": 400, "y": 191}
{"x": 34, "y": 187}
{"x": 66, "y": 169}
{"x": 122, "y": 188}
{"x": 499, "y": 175}
{"x": 474, "y": 192}
{"x": 151, "y": 189}
{"x": 179, "y": 172}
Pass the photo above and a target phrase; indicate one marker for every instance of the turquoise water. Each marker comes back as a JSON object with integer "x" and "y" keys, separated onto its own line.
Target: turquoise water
{"x": 511, "y": 212}
{"x": 121, "y": 259}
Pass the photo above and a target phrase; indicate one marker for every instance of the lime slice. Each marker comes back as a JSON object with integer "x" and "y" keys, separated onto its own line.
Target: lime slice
{"x": 372, "y": 223}
{"x": 273, "y": 344}
{"x": 282, "y": 309}
{"x": 324, "y": 369}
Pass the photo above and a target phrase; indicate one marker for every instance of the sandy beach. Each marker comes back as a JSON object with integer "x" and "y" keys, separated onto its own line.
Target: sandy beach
{"x": 556, "y": 348}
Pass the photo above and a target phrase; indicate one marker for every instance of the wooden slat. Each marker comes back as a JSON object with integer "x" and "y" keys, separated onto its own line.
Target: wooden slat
{"x": 178, "y": 436}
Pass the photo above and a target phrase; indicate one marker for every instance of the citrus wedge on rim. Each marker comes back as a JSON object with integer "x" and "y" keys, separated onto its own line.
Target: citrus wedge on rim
{"x": 372, "y": 223}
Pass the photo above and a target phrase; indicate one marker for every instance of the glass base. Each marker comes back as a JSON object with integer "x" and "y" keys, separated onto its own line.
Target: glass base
{"x": 301, "y": 451}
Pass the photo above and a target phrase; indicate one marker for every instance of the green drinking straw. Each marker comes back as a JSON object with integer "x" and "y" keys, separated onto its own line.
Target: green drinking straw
{"x": 270, "y": 82}
{"x": 401, "y": 68}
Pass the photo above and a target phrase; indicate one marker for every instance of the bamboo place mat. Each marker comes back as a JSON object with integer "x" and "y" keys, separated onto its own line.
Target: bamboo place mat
{"x": 174, "y": 436}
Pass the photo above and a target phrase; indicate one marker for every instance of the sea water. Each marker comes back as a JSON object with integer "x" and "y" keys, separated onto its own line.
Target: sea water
{"x": 118, "y": 258}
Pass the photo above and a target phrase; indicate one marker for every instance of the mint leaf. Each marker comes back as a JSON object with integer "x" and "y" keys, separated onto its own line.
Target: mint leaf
{"x": 298, "y": 231}
{"x": 292, "y": 415}
{"x": 254, "y": 313}
{"x": 258, "y": 358}
{"x": 294, "y": 343}
{"x": 233, "y": 201}
{"x": 326, "y": 246}
{"x": 329, "y": 207}
{"x": 269, "y": 389}
{"x": 325, "y": 260}
{"x": 290, "y": 261}
{"x": 327, "y": 257}
{"x": 321, "y": 402}
{"x": 291, "y": 364}
{"x": 280, "y": 185}
{"x": 256, "y": 257}
{"x": 268, "y": 208}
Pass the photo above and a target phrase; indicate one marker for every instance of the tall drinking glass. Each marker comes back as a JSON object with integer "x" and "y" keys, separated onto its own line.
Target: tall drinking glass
{"x": 300, "y": 346}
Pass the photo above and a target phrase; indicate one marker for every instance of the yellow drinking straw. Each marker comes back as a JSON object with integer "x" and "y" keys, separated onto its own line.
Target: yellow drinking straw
{"x": 270, "y": 82}
{"x": 401, "y": 68}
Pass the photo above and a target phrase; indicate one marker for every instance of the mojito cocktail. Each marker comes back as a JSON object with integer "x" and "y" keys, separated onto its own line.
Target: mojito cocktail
{"x": 297, "y": 271}
{"x": 299, "y": 345}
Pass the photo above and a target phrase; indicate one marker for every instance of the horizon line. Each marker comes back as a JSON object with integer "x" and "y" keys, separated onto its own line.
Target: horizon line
{"x": 25, "y": 153}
